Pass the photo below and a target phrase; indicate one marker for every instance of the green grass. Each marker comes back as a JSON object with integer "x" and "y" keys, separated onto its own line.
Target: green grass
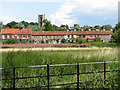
{"x": 30, "y": 58}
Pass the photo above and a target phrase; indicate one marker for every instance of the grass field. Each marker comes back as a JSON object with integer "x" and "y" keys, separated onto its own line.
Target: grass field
{"x": 30, "y": 58}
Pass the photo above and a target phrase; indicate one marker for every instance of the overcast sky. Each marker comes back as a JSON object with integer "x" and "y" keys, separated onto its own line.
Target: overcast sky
{"x": 82, "y": 12}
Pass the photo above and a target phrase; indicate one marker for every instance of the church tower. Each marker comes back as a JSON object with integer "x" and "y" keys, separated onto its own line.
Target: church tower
{"x": 41, "y": 18}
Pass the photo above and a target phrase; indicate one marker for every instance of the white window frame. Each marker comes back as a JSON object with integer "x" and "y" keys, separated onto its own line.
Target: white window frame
{"x": 18, "y": 36}
{"x": 8, "y": 36}
{"x": 3, "y": 36}
{"x": 13, "y": 36}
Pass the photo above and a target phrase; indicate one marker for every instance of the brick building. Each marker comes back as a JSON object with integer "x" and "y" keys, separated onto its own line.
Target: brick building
{"x": 38, "y": 36}
{"x": 104, "y": 36}
{"x": 24, "y": 34}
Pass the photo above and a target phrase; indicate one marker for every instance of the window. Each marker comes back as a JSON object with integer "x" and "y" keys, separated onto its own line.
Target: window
{"x": 17, "y": 36}
{"x": 23, "y": 36}
{"x": 3, "y": 37}
{"x": 61, "y": 35}
{"x": 57, "y": 35}
{"x": 101, "y": 35}
{"x": 8, "y": 36}
{"x": 90, "y": 35}
{"x": 13, "y": 36}
{"x": 94, "y": 35}
{"x": 28, "y": 36}
{"x": 83, "y": 36}
{"x": 46, "y": 36}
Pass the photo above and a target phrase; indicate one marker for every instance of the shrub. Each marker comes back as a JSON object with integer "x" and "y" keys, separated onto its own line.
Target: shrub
{"x": 11, "y": 41}
{"x": 103, "y": 44}
{"x": 80, "y": 40}
{"x": 49, "y": 40}
{"x": 57, "y": 40}
{"x": 63, "y": 41}
{"x": 42, "y": 41}
{"x": 97, "y": 39}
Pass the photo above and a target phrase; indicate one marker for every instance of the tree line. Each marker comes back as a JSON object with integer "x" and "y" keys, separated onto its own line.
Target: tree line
{"x": 49, "y": 27}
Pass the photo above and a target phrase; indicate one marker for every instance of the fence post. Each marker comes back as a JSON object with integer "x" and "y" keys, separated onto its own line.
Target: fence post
{"x": 78, "y": 76}
{"x": 104, "y": 73}
{"x": 14, "y": 78}
{"x": 48, "y": 75}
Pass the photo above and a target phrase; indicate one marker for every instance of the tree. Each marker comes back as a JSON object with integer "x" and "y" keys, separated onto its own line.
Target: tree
{"x": 25, "y": 23}
{"x": 12, "y": 24}
{"x": 97, "y": 27}
{"x": 55, "y": 28}
{"x": 116, "y": 36}
{"x": 47, "y": 26}
{"x": 106, "y": 27}
{"x": 65, "y": 26}
{"x": 1, "y": 24}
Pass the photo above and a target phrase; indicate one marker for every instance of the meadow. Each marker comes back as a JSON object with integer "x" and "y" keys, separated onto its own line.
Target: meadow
{"x": 32, "y": 58}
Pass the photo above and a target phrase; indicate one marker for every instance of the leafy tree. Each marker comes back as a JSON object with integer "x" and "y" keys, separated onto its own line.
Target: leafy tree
{"x": 106, "y": 27}
{"x": 97, "y": 27}
{"x": 47, "y": 26}
{"x": 11, "y": 24}
{"x": 66, "y": 26}
{"x": 55, "y": 28}
{"x": 25, "y": 23}
{"x": 1, "y": 24}
{"x": 116, "y": 36}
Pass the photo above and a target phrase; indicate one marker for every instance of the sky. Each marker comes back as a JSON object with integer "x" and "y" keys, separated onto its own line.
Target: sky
{"x": 82, "y": 12}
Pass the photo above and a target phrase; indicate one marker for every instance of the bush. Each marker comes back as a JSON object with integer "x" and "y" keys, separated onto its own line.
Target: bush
{"x": 63, "y": 41}
{"x": 49, "y": 40}
{"x": 103, "y": 44}
{"x": 11, "y": 41}
{"x": 97, "y": 39}
{"x": 80, "y": 40}
{"x": 57, "y": 40}
{"x": 42, "y": 41}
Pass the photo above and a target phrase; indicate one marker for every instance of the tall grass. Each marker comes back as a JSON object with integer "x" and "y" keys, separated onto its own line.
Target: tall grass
{"x": 29, "y": 58}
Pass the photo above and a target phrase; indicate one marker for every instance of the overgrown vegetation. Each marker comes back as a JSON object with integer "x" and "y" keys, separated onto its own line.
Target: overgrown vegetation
{"x": 29, "y": 58}
{"x": 11, "y": 41}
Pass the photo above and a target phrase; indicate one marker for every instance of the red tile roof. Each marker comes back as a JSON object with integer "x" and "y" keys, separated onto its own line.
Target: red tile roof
{"x": 71, "y": 32}
{"x": 16, "y": 31}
